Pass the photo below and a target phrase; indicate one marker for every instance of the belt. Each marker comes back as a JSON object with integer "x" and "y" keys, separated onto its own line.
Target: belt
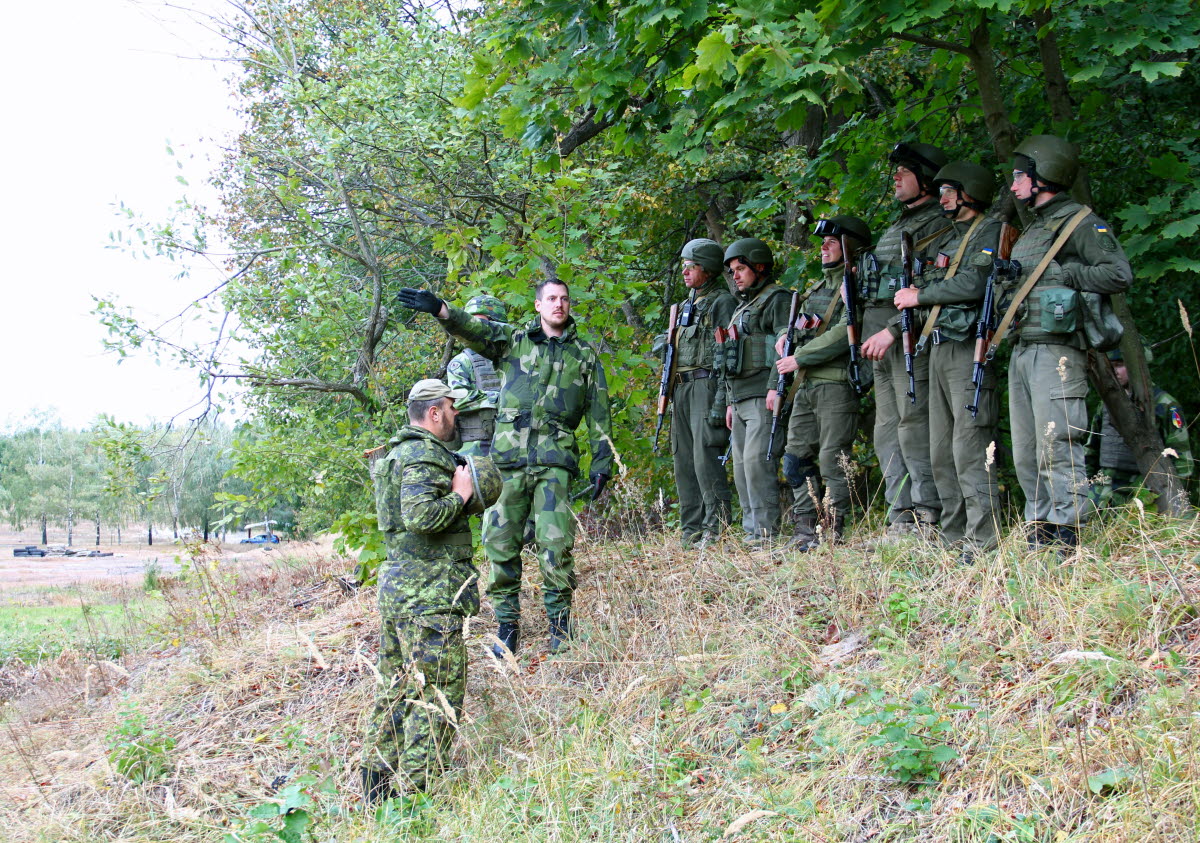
{"x": 692, "y": 375}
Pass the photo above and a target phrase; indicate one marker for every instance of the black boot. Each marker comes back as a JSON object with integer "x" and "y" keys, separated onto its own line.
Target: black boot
{"x": 509, "y": 635}
{"x": 560, "y": 631}
{"x": 1041, "y": 533}
{"x": 805, "y": 538}
{"x": 376, "y": 786}
{"x": 1066, "y": 535}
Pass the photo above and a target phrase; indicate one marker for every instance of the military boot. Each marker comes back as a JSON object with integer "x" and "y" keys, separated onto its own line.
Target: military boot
{"x": 1040, "y": 535}
{"x": 560, "y": 631}
{"x": 376, "y": 786}
{"x": 1066, "y": 535}
{"x": 509, "y": 635}
{"x": 805, "y": 538}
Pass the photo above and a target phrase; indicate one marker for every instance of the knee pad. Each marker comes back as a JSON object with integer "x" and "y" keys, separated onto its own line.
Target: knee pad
{"x": 797, "y": 470}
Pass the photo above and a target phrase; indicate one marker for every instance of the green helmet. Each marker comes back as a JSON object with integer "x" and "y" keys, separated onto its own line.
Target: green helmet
{"x": 924, "y": 159}
{"x": 841, "y": 224}
{"x": 489, "y": 306}
{"x": 486, "y": 483}
{"x": 705, "y": 252}
{"x": 1117, "y": 355}
{"x": 751, "y": 250}
{"x": 970, "y": 178}
{"x": 1048, "y": 158}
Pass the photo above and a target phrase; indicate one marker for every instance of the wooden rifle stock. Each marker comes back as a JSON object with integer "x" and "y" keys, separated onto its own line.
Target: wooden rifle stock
{"x": 666, "y": 383}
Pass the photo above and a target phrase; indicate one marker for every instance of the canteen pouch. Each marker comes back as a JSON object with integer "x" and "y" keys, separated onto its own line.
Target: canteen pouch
{"x": 1058, "y": 310}
{"x": 1101, "y": 326}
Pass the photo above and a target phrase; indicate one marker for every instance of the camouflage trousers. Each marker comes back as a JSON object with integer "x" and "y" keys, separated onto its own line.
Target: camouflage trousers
{"x": 541, "y": 494}
{"x": 423, "y": 665}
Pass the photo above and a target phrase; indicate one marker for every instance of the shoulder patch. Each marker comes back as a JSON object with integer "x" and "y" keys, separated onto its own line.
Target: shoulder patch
{"x": 984, "y": 258}
{"x": 1176, "y": 418}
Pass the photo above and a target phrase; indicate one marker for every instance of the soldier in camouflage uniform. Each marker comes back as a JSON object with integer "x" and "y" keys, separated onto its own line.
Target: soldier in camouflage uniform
{"x": 1047, "y": 374}
{"x": 747, "y": 367}
{"x": 825, "y": 409}
{"x": 902, "y": 425}
{"x": 551, "y": 381}
{"x": 1119, "y": 477}
{"x": 427, "y": 588}
{"x": 954, "y": 287}
{"x": 698, "y": 432}
{"x": 473, "y": 372}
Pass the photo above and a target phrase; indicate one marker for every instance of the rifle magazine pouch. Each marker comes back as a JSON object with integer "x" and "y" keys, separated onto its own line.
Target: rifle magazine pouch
{"x": 1100, "y": 325}
{"x": 1057, "y": 310}
{"x": 719, "y": 358}
{"x": 734, "y": 350}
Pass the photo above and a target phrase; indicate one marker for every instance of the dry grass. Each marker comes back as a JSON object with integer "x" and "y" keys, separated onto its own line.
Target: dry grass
{"x": 709, "y": 693}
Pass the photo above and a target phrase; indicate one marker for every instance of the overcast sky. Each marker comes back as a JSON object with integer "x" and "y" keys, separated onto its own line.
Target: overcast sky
{"x": 94, "y": 90}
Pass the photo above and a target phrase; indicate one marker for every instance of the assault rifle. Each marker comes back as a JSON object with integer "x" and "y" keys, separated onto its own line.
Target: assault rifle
{"x": 909, "y": 269}
{"x": 781, "y": 385}
{"x": 666, "y": 383}
{"x": 1002, "y": 268}
{"x": 850, "y": 302}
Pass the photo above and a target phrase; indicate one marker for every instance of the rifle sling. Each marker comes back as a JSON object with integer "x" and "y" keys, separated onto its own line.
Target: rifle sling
{"x": 1010, "y": 314}
{"x": 950, "y": 270}
{"x": 802, "y": 373}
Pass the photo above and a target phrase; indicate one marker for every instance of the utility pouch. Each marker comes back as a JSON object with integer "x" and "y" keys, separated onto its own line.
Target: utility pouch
{"x": 1058, "y": 310}
{"x": 734, "y": 352}
{"x": 387, "y": 494}
{"x": 1101, "y": 326}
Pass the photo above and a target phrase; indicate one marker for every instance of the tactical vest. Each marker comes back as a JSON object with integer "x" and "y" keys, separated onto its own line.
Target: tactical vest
{"x": 1052, "y": 311}
{"x": 752, "y": 353}
{"x": 480, "y": 425}
{"x": 881, "y": 281}
{"x": 1114, "y": 453}
{"x": 694, "y": 341}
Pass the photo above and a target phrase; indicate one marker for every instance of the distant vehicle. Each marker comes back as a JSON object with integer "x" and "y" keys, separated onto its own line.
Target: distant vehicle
{"x": 261, "y": 538}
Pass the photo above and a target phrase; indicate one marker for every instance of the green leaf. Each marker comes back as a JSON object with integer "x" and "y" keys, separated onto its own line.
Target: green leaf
{"x": 1152, "y": 70}
{"x": 713, "y": 53}
{"x": 942, "y": 754}
{"x": 1112, "y": 779}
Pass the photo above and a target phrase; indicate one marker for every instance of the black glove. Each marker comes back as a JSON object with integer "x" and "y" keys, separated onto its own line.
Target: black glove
{"x": 420, "y": 300}
{"x": 599, "y": 481}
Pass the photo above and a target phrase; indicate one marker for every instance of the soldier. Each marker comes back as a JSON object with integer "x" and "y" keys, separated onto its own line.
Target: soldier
{"x": 426, "y": 588}
{"x": 966, "y": 482}
{"x": 1047, "y": 374}
{"x": 551, "y": 381}
{"x": 901, "y": 423}
{"x": 825, "y": 408}
{"x": 473, "y": 372}
{"x": 748, "y": 370}
{"x": 1120, "y": 478}
{"x": 698, "y": 432}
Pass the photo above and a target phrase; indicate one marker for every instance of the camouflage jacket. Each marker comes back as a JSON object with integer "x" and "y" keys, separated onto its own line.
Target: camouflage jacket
{"x": 961, "y": 294}
{"x": 548, "y": 385}
{"x": 824, "y": 356}
{"x": 1107, "y": 451}
{"x": 478, "y": 377}
{"x": 429, "y": 569}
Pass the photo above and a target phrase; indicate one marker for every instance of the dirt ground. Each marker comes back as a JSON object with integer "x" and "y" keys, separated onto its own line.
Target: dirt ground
{"x": 127, "y": 564}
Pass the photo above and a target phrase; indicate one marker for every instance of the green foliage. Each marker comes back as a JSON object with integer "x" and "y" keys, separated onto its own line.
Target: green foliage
{"x": 137, "y": 751}
{"x": 290, "y": 816}
{"x": 913, "y": 736}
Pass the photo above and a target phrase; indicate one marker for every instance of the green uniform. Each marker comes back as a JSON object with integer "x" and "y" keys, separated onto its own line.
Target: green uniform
{"x": 698, "y": 433}
{"x": 549, "y": 385}
{"x": 901, "y": 426}
{"x": 1119, "y": 475}
{"x": 1047, "y": 375}
{"x": 958, "y": 443}
{"x": 748, "y": 373}
{"x": 825, "y": 408}
{"x": 473, "y": 372}
{"x": 426, "y": 588}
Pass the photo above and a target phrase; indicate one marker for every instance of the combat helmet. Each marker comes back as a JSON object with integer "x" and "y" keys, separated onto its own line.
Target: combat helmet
{"x": 485, "y": 483}
{"x": 489, "y": 306}
{"x": 924, "y": 159}
{"x": 705, "y": 252}
{"x": 970, "y": 178}
{"x": 1049, "y": 158}
{"x": 843, "y": 224}
{"x": 751, "y": 250}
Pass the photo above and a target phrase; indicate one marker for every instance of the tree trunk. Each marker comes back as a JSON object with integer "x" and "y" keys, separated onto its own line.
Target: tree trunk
{"x": 97, "y": 529}
{"x": 206, "y": 526}
{"x": 44, "y": 541}
{"x": 150, "y": 534}
{"x": 1137, "y": 427}
{"x": 991, "y": 95}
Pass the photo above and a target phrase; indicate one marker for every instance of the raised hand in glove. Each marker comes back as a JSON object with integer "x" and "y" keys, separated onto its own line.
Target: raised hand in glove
{"x": 599, "y": 481}
{"x": 420, "y": 300}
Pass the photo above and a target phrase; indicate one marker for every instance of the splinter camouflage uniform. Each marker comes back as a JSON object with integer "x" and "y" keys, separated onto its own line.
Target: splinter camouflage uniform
{"x": 473, "y": 372}
{"x": 426, "y": 589}
{"x": 548, "y": 386}
{"x": 1120, "y": 478}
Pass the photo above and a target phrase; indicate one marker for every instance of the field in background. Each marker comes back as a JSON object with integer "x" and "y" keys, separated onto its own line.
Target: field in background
{"x": 848, "y": 695}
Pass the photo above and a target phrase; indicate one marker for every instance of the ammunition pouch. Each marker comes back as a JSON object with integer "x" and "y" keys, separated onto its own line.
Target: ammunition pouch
{"x": 1054, "y": 310}
{"x": 477, "y": 425}
{"x": 387, "y": 494}
{"x": 1101, "y": 326}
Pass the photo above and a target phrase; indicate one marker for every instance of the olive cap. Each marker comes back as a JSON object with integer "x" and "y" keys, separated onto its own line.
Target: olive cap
{"x": 1054, "y": 159}
{"x": 751, "y": 250}
{"x": 707, "y": 253}
{"x": 431, "y": 388}
{"x": 973, "y": 179}
{"x": 489, "y": 306}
